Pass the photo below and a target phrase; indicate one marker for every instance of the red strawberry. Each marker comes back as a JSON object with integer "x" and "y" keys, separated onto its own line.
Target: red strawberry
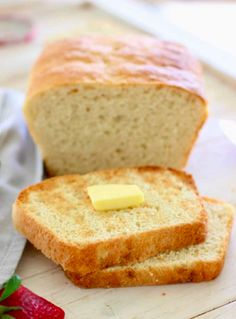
{"x": 32, "y": 306}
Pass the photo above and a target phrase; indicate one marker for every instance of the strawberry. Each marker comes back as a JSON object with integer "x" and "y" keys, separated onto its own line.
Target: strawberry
{"x": 20, "y": 303}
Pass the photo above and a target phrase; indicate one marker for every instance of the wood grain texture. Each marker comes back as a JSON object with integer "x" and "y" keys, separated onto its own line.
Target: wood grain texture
{"x": 226, "y": 312}
{"x": 213, "y": 163}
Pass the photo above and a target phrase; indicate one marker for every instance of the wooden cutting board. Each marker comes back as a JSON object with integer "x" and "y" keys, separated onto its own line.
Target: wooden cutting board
{"x": 213, "y": 164}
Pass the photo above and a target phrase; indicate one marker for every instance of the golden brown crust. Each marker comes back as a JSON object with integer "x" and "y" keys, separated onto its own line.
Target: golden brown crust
{"x": 121, "y": 250}
{"x": 129, "y": 60}
{"x": 198, "y": 271}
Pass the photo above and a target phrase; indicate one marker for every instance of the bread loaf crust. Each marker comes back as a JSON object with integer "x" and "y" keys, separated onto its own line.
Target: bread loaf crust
{"x": 112, "y": 61}
{"x": 78, "y": 85}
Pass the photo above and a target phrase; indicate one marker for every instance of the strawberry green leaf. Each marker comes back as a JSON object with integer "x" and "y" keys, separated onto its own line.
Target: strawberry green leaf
{"x": 4, "y": 309}
{"x": 10, "y": 286}
{"x": 5, "y": 316}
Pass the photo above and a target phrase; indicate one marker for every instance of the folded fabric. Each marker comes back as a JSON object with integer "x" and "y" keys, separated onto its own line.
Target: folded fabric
{"x": 20, "y": 166}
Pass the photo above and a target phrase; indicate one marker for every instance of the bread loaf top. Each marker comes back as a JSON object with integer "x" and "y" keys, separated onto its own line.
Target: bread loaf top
{"x": 123, "y": 60}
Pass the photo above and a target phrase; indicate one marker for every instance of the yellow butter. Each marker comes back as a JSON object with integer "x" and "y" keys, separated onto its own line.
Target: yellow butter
{"x": 115, "y": 196}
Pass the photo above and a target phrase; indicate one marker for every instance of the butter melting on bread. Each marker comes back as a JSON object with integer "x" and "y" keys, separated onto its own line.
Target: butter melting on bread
{"x": 115, "y": 196}
{"x": 106, "y": 102}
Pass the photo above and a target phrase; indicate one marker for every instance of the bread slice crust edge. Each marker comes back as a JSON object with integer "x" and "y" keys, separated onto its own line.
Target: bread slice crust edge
{"x": 102, "y": 254}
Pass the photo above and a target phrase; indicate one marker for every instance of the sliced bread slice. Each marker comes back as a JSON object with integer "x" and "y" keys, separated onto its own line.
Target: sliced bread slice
{"x": 196, "y": 263}
{"x": 58, "y": 218}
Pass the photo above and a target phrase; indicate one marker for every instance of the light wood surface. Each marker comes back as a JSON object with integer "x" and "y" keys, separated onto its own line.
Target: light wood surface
{"x": 228, "y": 311}
{"x": 213, "y": 163}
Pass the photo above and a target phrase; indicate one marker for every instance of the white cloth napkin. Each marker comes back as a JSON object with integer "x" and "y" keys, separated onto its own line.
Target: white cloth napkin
{"x": 20, "y": 166}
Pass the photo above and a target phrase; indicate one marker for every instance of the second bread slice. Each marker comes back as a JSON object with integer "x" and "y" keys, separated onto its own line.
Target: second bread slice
{"x": 59, "y": 219}
{"x": 196, "y": 263}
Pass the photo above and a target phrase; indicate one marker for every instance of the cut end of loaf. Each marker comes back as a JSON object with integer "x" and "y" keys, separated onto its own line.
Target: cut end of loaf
{"x": 111, "y": 127}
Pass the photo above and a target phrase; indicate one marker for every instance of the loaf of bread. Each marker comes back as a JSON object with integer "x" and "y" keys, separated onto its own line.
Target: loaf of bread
{"x": 98, "y": 102}
{"x": 193, "y": 264}
{"x": 57, "y": 216}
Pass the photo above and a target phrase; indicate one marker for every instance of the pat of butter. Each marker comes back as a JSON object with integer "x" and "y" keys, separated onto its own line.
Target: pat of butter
{"x": 115, "y": 196}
